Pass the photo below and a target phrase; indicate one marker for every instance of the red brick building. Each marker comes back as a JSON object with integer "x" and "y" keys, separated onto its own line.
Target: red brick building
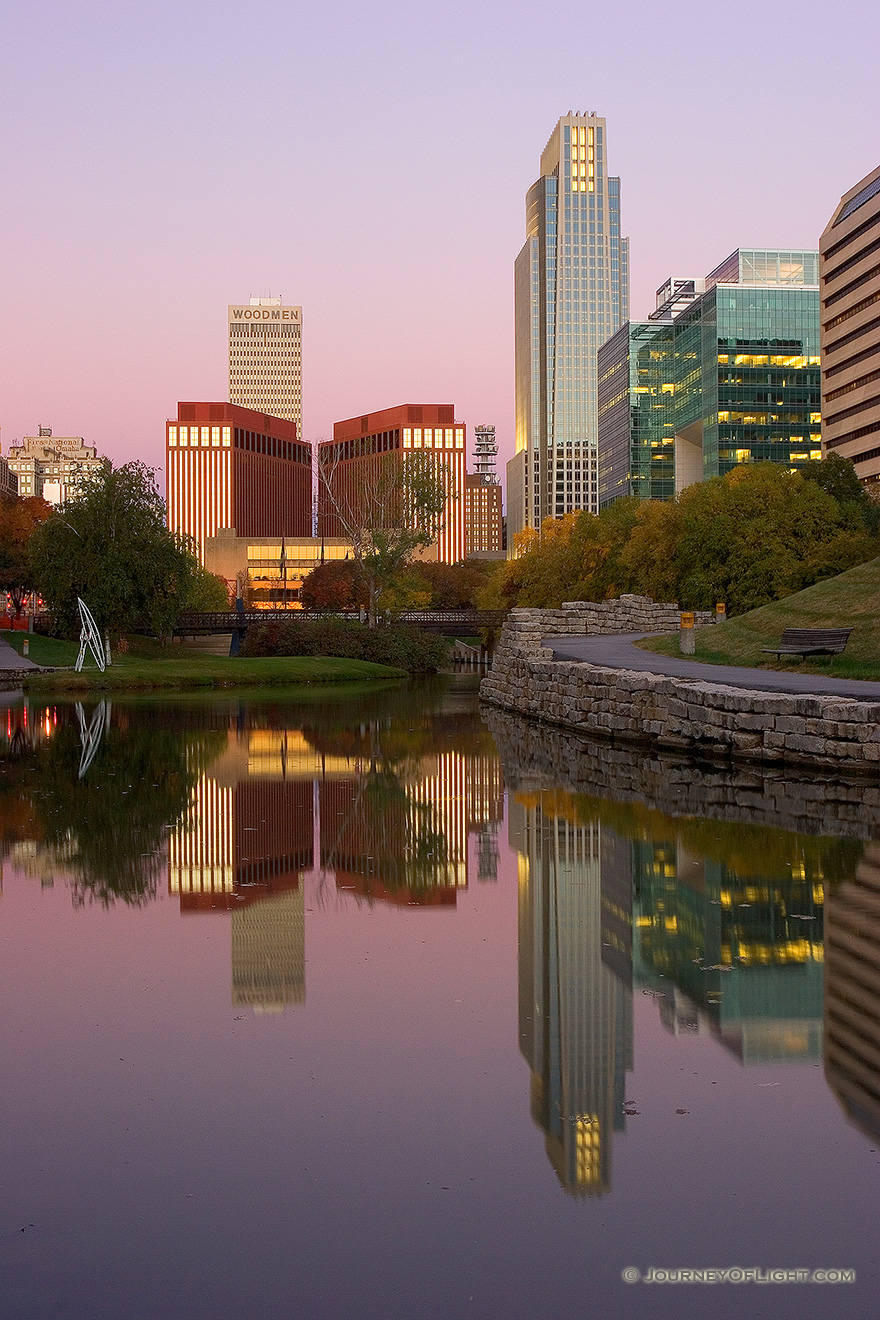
{"x": 232, "y": 467}
{"x": 361, "y": 444}
{"x": 483, "y": 516}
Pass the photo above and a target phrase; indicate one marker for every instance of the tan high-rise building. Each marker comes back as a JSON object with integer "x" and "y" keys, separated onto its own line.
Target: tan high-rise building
{"x": 850, "y": 308}
{"x": 265, "y": 358}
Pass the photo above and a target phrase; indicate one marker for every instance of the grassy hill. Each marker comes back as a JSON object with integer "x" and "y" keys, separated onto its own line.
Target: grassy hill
{"x": 851, "y": 600}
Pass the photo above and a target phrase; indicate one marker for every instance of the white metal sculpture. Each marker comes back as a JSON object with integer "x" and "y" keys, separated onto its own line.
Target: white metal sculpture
{"x": 89, "y": 637}
{"x": 92, "y": 733}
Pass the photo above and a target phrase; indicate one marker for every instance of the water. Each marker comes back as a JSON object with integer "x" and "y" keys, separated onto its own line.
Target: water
{"x": 361, "y": 1006}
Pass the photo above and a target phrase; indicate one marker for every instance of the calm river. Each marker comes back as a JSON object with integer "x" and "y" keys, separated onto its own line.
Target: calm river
{"x": 365, "y": 1005}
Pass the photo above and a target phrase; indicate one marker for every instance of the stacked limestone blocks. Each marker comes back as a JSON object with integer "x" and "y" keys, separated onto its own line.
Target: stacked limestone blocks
{"x": 711, "y": 718}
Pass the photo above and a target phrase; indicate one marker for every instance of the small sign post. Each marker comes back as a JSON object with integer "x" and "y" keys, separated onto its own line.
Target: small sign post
{"x": 686, "y": 636}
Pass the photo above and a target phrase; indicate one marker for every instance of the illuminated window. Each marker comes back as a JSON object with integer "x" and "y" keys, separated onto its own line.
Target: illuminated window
{"x": 183, "y": 434}
{"x": 206, "y": 434}
{"x": 407, "y": 437}
{"x": 459, "y": 438}
{"x": 172, "y": 435}
{"x": 227, "y": 435}
{"x": 743, "y": 455}
{"x": 215, "y": 435}
{"x": 815, "y": 454}
{"x": 417, "y": 437}
{"x": 448, "y": 438}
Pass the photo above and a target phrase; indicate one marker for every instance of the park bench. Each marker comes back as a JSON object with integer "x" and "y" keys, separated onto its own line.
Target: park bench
{"x": 810, "y": 641}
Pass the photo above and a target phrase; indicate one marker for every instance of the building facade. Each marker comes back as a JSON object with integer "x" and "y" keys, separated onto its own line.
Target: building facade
{"x": 483, "y": 531}
{"x": 850, "y": 288}
{"x": 8, "y": 480}
{"x": 270, "y": 569}
{"x": 571, "y": 289}
{"x": 50, "y": 467}
{"x": 351, "y": 463}
{"x": 725, "y": 371}
{"x": 232, "y": 467}
{"x": 265, "y": 358}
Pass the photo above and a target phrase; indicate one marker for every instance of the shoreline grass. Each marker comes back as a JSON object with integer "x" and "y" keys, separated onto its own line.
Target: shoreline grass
{"x": 179, "y": 667}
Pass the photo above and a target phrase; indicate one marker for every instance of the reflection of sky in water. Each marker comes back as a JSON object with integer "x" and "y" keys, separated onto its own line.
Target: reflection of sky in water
{"x": 336, "y": 1025}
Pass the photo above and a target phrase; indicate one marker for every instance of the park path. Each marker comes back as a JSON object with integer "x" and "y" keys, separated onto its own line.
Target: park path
{"x": 618, "y": 652}
{"x": 10, "y": 659}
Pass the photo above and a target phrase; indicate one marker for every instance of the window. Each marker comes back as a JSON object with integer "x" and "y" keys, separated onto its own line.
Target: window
{"x": 172, "y": 435}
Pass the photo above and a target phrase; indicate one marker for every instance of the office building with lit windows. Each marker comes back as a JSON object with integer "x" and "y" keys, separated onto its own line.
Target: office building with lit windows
{"x": 265, "y": 358}
{"x": 725, "y": 371}
{"x": 230, "y": 467}
{"x": 850, "y": 276}
{"x": 350, "y": 464}
{"x": 571, "y": 289}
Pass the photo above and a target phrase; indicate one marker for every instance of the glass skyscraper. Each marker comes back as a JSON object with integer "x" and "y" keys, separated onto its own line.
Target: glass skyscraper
{"x": 571, "y": 294}
{"x": 725, "y": 371}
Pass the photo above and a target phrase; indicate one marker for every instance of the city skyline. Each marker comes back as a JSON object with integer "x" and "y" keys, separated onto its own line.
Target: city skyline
{"x": 145, "y": 196}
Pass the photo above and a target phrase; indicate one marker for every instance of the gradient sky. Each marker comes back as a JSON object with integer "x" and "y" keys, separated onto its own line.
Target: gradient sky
{"x": 160, "y": 160}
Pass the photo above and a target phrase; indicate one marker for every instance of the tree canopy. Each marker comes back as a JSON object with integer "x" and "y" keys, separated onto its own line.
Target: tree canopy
{"x": 109, "y": 545}
{"x": 759, "y": 533}
{"x": 387, "y": 510}
{"x": 18, "y": 520}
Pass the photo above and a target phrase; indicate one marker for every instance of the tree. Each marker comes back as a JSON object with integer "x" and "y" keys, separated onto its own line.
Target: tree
{"x": 334, "y": 586}
{"x": 109, "y": 545}
{"x": 207, "y": 592}
{"x": 454, "y": 586}
{"x": 387, "y": 507}
{"x": 19, "y": 518}
{"x": 837, "y": 476}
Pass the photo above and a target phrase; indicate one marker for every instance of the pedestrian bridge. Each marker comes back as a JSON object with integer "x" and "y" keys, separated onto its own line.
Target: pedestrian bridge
{"x": 450, "y": 623}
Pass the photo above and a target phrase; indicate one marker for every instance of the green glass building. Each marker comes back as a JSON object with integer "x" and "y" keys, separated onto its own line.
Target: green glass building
{"x": 724, "y": 371}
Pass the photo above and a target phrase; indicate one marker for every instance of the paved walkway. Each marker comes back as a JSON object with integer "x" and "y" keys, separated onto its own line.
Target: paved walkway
{"x": 618, "y": 652}
{"x": 10, "y": 659}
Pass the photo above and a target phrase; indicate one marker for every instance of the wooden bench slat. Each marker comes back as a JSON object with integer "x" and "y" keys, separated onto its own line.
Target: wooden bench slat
{"x": 810, "y": 641}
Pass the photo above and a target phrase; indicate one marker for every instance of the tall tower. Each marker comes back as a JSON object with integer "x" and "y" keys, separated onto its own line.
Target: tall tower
{"x": 485, "y": 454}
{"x": 571, "y": 293}
{"x": 265, "y": 359}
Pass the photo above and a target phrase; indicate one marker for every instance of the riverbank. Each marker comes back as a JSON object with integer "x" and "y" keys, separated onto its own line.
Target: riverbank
{"x": 149, "y": 666}
{"x": 633, "y": 704}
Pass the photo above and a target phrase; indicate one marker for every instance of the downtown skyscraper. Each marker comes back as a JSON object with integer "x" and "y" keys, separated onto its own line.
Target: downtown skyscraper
{"x": 571, "y": 294}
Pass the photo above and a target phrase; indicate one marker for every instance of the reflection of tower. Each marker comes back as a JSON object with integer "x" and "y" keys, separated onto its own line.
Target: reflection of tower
{"x": 736, "y": 947}
{"x": 242, "y": 849}
{"x": 268, "y": 952}
{"x": 852, "y": 993}
{"x": 575, "y": 1008}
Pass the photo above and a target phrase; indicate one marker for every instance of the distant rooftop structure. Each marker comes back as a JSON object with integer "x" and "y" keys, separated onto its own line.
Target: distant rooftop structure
{"x": 485, "y": 454}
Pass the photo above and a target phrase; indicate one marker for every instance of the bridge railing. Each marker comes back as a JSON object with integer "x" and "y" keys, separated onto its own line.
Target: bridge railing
{"x": 456, "y": 621}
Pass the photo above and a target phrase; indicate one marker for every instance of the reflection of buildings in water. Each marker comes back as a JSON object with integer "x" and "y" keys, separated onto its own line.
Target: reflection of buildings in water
{"x": 242, "y": 849}
{"x": 852, "y": 993}
{"x": 403, "y": 837}
{"x": 737, "y": 955}
{"x": 249, "y": 836}
{"x": 575, "y": 1000}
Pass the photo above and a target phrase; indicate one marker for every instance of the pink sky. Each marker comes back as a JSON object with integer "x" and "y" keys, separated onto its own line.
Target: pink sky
{"x": 370, "y": 163}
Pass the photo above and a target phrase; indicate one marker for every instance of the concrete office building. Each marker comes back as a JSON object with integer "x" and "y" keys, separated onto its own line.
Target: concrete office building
{"x": 724, "y": 371}
{"x": 51, "y": 467}
{"x": 349, "y": 465}
{"x": 571, "y": 293}
{"x": 265, "y": 358}
{"x": 850, "y": 290}
{"x": 232, "y": 467}
{"x": 270, "y": 569}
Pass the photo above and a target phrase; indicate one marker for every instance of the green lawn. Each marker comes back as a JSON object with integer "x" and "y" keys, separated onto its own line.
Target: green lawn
{"x": 181, "y": 667}
{"x": 851, "y": 600}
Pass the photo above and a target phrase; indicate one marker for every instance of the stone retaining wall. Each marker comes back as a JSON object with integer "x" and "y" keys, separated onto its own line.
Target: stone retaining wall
{"x": 711, "y": 718}
{"x": 523, "y": 629}
{"x": 816, "y": 801}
